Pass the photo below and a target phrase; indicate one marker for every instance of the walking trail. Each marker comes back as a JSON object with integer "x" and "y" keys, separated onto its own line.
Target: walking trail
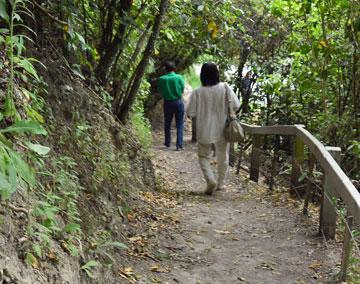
{"x": 240, "y": 235}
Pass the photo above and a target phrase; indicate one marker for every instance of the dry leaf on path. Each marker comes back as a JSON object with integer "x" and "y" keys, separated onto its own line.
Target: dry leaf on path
{"x": 128, "y": 274}
{"x": 222, "y": 232}
{"x": 316, "y": 265}
{"x": 157, "y": 268}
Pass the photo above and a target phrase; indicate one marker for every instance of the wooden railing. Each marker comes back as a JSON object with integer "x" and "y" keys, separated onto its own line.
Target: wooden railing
{"x": 336, "y": 184}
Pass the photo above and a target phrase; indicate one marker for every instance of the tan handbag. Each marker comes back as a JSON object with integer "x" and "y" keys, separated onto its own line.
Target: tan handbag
{"x": 233, "y": 131}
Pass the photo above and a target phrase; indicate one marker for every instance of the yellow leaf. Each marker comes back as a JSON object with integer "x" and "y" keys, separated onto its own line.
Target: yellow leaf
{"x": 214, "y": 33}
{"x": 128, "y": 270}
{"x": 322, "y": 44}
{"x": 211, "y": 26}
{"x": 232, "y": 20}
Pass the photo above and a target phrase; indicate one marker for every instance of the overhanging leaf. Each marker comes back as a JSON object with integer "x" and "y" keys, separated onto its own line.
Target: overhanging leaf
{"x": 26, "y": 64}
{"x": 38, "y": 149}
{"x": 22, "y": 168}
{"x": 22, "y": 126}
{"x": 3, "y": 11}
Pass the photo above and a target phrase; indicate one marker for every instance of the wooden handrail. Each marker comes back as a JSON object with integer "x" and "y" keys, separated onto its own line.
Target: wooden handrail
{"x": 341, "y": 183}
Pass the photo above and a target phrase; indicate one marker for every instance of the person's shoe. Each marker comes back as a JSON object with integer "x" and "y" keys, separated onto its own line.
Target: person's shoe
{"x": 179, "y": 149}
{"x": 167, "y": 145}
{"x": 210, "y": 188}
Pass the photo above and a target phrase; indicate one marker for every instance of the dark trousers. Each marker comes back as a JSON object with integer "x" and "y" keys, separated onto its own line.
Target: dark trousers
{"x": 172, "y": 108}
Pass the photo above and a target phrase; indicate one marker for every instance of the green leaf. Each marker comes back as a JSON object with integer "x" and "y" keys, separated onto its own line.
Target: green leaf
{"x": 34, "y": 114}
{"x": 117, "y": 245}
{"x": 72, "y": 249}
{"x": 37, "y": 250}
{"x": 90, "y": 264}
{"x": 72, "y": 228}
{"x": 4, "y": 187}
{"x": 38, "y": 149}
{"x": 22, "y": 126}
{"x": 302, "y": 177}
{"x": 31, "y": 260}
{"x": 4, "y": 31}
{"x": 22, "y": 168}
{"x": 12, "y": 178}
{"x": 26, "y": 64}
{"x": 3, "y": 11}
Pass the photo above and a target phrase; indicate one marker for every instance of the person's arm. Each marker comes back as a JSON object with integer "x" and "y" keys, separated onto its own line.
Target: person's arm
{"x": 234, "y": 99}
{"x": 191, "y": 106}
{"x": 159, "y": 85}
{"x": 182, "y": 85}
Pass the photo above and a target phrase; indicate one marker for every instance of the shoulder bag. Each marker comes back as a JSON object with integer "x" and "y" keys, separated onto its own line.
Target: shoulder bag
{"x": 233, "y": 131}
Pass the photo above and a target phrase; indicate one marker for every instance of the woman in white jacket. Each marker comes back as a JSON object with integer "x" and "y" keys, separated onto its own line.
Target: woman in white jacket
{"x": 208, "y": 104}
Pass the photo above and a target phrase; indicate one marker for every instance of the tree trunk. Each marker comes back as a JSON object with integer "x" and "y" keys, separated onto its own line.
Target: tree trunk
{"x": 107, "y": 24}
{"x": 120, "y": 81}
{"x": 122, "y": 111}
{"x": 244, "y": 55}
{"x": 112, "y": 50}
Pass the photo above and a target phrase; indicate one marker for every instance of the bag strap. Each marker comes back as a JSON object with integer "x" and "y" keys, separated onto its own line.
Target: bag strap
{"x": 231, "y": 113}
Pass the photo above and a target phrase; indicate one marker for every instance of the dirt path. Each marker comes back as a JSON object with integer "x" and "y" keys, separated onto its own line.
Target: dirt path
{"x": 241, "y": 235}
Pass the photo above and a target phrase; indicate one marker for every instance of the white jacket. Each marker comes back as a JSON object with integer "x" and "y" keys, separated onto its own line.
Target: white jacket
{"x": 209, "y": 106}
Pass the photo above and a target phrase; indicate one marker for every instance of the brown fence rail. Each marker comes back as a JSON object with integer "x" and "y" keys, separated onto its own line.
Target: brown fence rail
{"x": 336, "y": 183}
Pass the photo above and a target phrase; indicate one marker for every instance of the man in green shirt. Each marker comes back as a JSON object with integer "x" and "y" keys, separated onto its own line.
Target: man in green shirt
{"x": 172, "y": 87}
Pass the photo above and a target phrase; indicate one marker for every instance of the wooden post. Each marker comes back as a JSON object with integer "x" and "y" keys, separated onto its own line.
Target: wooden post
{"x": 193, "y": 129}
{"x": 327, "y": 210}
{"x": 311, "y": 164}
{"x": 298, "y": 158}
{"x": 255, "y": 157}
{"x": 346, "y": 249}
{"x": 232, "y": 157}
{"x": 274, "y": 162}
{"x": 241, "y": 146}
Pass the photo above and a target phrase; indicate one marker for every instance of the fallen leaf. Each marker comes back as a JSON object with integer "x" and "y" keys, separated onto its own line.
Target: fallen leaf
{"x": 157, "y": 268}
{"x": 222, "y": 232}
{"x": 315, "y": 265}
{"x": 128, "y": 273}
{"x": 130, "y": 218}
{"x": 135, "y": 239}
{"x": 128, "y": 270}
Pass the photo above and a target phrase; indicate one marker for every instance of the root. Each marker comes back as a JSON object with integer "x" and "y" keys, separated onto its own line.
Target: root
{"x": 16, "y": 209}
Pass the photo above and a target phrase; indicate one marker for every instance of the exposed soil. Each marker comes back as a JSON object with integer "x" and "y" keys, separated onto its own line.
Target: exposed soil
{"x": 240, "y": 235}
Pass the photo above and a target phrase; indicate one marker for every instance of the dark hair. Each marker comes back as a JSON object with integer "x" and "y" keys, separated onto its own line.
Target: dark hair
{"x": 169, "y": 66}
{"x": 209, "y": 75}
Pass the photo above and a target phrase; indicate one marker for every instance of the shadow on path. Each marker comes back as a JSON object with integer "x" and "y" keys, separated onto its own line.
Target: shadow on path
{"x": 240, "y": 235}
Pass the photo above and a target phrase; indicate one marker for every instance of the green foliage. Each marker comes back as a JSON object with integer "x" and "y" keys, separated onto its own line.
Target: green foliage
{"x": 142, "y": 129}
{"x": 192, "y": 78}
{"x": 59, "y": 198}
{"x": 102, "y": 243}
{"x": 89, "y": 266}
{"x": 14, "y": 171}
{"x": 25, "y": 126}
{"x": 354, "y": 267}
{"x": 140, "y": 123}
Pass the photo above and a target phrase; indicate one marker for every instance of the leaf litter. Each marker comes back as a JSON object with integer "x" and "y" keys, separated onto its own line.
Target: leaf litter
{"x": 199, "y": 235}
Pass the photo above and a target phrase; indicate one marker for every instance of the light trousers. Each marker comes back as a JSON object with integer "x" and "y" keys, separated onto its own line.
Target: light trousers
{"x": 222, "y": 157}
